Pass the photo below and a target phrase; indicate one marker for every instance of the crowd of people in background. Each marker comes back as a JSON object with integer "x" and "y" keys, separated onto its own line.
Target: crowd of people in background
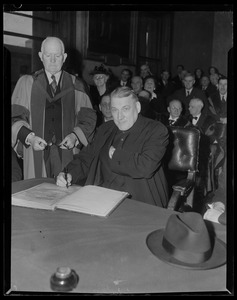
{"x": 196, "y": 98}
{"x": 159, "y": 90}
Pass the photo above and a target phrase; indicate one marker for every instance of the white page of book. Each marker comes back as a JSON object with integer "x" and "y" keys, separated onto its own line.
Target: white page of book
{"x": 94, "y": 200}
{"x": 44, "y": 195}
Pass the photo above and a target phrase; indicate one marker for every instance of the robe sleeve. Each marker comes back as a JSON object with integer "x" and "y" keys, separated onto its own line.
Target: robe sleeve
{"x": 21, "y": 106}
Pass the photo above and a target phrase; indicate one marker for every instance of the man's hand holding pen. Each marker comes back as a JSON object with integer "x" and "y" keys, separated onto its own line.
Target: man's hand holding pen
{"x": 64, "y": 179}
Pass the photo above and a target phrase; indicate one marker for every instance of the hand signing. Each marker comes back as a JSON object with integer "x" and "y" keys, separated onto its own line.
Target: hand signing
{"x": 61, "y": 181}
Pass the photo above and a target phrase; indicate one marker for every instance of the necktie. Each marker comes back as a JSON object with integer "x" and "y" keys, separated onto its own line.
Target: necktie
{"x": 53, "y": 85}
{"x": 195, "y": 118}
{"x": 171, "y": 122}
{"x": 223, "y": 99}
{"x": 187, "y": 93}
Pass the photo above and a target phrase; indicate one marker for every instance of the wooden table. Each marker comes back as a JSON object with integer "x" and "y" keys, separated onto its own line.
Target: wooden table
{"x": 110, "y": 255}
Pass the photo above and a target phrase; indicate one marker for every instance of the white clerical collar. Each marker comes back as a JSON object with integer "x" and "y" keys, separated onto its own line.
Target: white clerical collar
{"x": 57, "y": 76}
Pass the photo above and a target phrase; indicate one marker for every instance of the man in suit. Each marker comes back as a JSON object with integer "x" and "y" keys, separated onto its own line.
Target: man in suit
{"x": 52, "y": 114}
{"x": 137, "y": 84}
{"x": 104, "y": 114}
{"x": 145, "y": 71}
{"x": 218, "y": 100}
{"x": 199, "y": 118}
{"x": 174, "y": 116}
{"x": 189, "y": 92}
{"x": 125, "y": 78}
{"x": 126, "y": 154}
{"x": 165, "y": 86}
{"x": 206, "y": 86}
{"x": 177, "y": 79}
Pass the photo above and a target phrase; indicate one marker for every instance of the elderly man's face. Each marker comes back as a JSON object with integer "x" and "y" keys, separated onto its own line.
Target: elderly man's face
{"x": 175, "y": 109}
{"x": 52, "y": 56}
{"x": 137, "y": 84}
{"x": 188, "y": 82}
{"x": 125, "y": 111}
{"x": 195, "y": 108}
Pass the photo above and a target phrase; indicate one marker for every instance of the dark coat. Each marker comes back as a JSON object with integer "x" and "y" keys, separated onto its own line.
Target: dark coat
{"x": 158, "y": 103}
{"x": 205, "y": 123}
{"x": 95, "y": 97}
{"x": 136, "y": 166}
{"x": 166, "y": 90}
{"x": 147, "y": 109}
{"x": 118, "y": 83}
{"x": 211, "y": 89}
{"x": 220, "y": 108}
{"x": 180, "y": 122}
{"x": 178, "y": 83}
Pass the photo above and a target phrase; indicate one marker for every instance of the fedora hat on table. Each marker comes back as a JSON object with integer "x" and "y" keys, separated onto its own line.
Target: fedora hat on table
{"x": 185, "y": 242}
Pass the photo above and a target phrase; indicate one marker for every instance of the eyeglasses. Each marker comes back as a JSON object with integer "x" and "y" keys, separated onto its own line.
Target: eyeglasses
{"x": 98, "y": 77}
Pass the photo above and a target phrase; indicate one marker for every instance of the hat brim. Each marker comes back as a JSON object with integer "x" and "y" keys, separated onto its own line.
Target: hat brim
{"x": 222, "y": 218}
{"x": 217, "y": 259}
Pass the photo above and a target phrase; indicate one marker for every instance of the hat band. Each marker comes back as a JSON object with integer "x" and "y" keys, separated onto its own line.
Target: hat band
{"x": 186, "y": 256}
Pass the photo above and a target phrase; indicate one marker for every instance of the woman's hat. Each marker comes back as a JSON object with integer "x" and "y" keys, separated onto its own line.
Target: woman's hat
{"x": 185, "y": 242}
{"x": 99, "y": 70}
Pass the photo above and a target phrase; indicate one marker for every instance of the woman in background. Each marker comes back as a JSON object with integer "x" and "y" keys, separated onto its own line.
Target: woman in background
{"x": 156, "y": 101}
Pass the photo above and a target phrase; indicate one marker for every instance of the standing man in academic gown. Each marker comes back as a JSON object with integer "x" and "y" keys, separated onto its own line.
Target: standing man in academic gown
{"x": 52, "y": 115}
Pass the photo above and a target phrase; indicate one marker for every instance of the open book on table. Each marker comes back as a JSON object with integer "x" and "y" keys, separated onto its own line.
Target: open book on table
{"x": 89, "y": 199}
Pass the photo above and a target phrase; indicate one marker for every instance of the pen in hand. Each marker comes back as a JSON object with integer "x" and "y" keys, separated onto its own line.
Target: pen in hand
{"x": 65, "y": 172}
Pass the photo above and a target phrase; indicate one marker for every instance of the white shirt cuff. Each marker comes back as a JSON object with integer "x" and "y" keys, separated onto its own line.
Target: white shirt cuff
{"x": 26, "y": 140}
